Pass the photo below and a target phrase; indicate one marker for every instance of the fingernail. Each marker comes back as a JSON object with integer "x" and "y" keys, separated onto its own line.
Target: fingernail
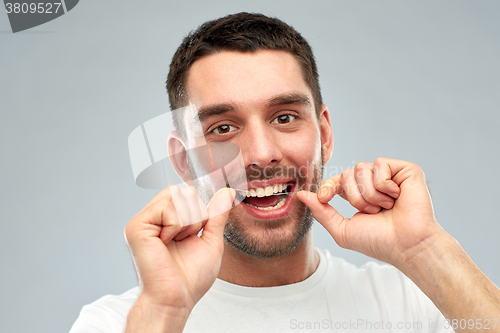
{"x": 386, "y": 204}
{"x": 302, "y": 193}
{"x": 372, "y": 209}
{"x": 323, "y": 192}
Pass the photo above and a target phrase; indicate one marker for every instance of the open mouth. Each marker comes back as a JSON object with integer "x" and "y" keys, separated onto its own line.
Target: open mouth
{"x": 271, "y": 197}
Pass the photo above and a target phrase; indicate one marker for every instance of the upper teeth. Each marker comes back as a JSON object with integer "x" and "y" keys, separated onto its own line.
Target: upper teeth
{"x": 265, "y": 191}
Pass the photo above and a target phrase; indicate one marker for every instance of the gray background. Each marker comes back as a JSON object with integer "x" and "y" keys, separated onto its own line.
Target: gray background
{"x": 415, "y": 80}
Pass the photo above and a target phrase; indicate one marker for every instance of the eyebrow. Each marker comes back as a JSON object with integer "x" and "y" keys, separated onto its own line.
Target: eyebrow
{"x": 291, "y": 98}
{"x": 284, "y": 99}
{"x": 213, "y": 110}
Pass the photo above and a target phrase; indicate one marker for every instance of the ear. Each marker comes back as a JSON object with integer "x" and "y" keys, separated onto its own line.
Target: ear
{"x": 178, "y": 157}
{"x": 326, "y": 133}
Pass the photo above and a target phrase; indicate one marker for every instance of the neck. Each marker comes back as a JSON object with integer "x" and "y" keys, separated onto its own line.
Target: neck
{"x": 293, "y": 267}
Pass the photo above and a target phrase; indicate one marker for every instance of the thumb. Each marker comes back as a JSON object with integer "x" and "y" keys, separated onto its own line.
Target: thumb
{"x": 326, "y": 215}
{"x": 218, "y": 211}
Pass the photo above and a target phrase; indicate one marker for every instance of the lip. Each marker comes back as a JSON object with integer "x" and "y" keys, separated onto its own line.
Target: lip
{"x": 275, "y": 213}
{"x": 263, "y": 183}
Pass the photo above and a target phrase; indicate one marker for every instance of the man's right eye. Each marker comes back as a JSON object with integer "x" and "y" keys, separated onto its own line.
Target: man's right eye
{"x": 223, "y": 129}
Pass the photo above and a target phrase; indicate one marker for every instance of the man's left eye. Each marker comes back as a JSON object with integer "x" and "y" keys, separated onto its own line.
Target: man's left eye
{"x": 223, "y": 129}
{"x": 283, "y": 119}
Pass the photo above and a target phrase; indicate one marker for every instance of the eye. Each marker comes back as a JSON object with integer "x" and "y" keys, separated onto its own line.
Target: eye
{"x": 283, "y": 119}
{"x": 223, "y": 129}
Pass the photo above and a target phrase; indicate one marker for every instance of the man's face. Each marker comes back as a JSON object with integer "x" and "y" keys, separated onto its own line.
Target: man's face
{"x": 261, "y": 102}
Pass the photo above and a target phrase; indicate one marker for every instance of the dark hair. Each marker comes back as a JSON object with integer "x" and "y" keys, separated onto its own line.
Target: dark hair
{"x": 244, "y": 32}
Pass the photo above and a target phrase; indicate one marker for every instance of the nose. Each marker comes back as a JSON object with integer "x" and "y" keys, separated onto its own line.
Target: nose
{"x": 260, "y": 146}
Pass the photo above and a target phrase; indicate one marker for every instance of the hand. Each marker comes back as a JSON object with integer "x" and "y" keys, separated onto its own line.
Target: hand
{"x": 396, "y": 224}
{"x": 395, "y": 219}
{"x": 175, "y": 266}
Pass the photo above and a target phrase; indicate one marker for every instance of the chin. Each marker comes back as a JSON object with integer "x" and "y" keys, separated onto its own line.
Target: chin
{"x": 271, "y": 238}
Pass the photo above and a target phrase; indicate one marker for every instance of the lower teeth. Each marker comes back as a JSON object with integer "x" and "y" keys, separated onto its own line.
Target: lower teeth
{"x": 278, "y": 205}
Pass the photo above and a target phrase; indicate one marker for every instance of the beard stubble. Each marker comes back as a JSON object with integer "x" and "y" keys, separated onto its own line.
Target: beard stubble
{"x": 273, "y": 240}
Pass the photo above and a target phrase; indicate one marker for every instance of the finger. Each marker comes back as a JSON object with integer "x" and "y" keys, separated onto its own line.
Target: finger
{"x": 218, "y": 211}
{"x": 172, "y": 225}
{"x": 384, "y": 170}
{"x": 190, "y": 230}
{"x": 327, "y": 216}
{"x": 152, "y": 228}
{"x": 158, "y": 220}
{"x": 165, "y": 193}
{"x": 329, "y": 188}
{"x": 204, "y": 212}
{"x": 196, "y": 206}
{"x": 181, "y": 206}
{"x": 199, "y": 213}
{"x": 352, "y": 193}
{"x": 363, "y": 174}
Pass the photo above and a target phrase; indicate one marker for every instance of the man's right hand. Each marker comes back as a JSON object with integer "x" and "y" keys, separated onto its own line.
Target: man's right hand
{"x": 175, "y": 267}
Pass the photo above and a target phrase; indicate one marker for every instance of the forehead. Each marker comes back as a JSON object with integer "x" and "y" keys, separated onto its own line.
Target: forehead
{"x": 244, "y": 78}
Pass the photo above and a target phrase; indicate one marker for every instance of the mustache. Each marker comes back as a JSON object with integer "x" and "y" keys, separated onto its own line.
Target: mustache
{"x": 279, "y": 171}
{"x": 254, "y": 173}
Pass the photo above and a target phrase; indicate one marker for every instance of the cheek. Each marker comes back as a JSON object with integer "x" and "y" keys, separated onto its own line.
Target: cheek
{"x": 304, "y": 149}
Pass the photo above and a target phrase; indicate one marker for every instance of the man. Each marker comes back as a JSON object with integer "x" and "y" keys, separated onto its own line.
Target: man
{"x": 252, "y": 81}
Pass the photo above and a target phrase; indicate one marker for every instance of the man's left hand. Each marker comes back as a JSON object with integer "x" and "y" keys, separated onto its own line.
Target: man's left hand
{"x": 395, "y": 219}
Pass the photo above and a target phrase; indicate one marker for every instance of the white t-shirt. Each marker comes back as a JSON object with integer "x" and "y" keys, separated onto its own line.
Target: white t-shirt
{"x": 337, "y": 297}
